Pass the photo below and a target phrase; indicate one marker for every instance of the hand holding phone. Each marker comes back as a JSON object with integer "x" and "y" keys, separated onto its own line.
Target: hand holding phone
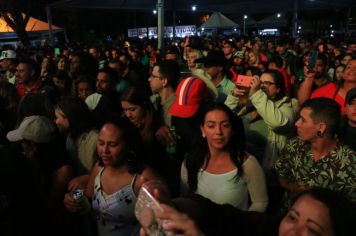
{"x": 243, "y": 81}
{"x": 313, "y": 56}
{"x": 146, "y": 209}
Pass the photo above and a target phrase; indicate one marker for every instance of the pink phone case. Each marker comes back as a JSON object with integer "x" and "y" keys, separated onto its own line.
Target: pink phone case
{"x": 243, "y": 81}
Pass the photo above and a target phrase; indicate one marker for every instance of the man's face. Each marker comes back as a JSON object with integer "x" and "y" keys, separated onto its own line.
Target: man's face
{"x": 94, "y": 52}
{"x": 23, "y": 73}
{"x": 5, "y": 64}
{"x": 171, "y": 56}
{"x": 75, "y": 64}
{"x": 103, "y": 82}
{"x": 350, "y": 111}
{"x": 227, "y": 49}
{"x": 156, "y": 82}
{"x": 281, "y": 49}
{"x": 319, "y": 68}
{"x": 271, "y": 47}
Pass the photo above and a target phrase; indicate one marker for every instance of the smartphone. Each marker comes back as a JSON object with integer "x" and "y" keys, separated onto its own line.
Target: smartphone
{"x": 146, "y": 209}
{"x": 57, "y": 51}
{"x": 243, "y": 81}
{"x": 313, "y": 56}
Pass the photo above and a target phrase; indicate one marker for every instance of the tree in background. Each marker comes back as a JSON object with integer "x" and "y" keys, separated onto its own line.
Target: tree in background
{"x": 15, "y": 14}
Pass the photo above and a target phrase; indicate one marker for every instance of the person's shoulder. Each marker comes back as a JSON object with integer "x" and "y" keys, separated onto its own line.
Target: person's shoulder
{"x": 345, "y": 152}
{"x": 295, "y": 142}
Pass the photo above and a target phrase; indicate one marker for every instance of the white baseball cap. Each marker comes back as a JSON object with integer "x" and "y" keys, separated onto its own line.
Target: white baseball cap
{"x": 8, "y": 54}
{"x": 38, "y": 129}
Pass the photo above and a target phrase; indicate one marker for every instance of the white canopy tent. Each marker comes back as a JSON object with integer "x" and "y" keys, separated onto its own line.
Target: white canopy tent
{"x": 218, "y": 20}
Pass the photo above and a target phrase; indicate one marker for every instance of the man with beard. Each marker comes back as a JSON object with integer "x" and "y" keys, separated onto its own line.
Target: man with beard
{"x": 103, "y": 103}
{"x": 314, "y": 79}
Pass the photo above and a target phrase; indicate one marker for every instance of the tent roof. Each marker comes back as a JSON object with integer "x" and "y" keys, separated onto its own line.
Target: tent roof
{"x": 218, "y": 20}
{"x": 32, "y": 25}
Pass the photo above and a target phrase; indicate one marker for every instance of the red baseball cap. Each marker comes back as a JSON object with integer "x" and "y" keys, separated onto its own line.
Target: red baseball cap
{"x": 189, "y": 95}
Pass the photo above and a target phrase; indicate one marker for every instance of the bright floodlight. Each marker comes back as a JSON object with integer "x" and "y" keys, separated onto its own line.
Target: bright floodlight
{"x": 299, "y": 27}
{"x": 331, "y": 26}
{"x": 202, "y": 29}
{"x": 235, "y": 29}
{"x": 278, "y": 15}
{"x": 194, "y": 8}
{"x": 154, "y": 12}
{"x": 245, "y": 16}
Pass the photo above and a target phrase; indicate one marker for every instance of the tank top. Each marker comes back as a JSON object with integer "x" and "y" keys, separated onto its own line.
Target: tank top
{"x": 115, "y": 212}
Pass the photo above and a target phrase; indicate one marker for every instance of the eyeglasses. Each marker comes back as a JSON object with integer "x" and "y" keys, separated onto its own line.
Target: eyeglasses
{"x": 267, "y": 83}
{"x": 156, "y": 76}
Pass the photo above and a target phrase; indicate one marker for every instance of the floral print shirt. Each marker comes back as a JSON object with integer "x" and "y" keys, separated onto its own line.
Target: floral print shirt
{"x": 335, "y": 171}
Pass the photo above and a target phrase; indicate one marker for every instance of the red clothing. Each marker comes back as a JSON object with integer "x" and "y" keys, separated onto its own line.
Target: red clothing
{"x": 234, "y": 75}
{"x": 330, "y": 91}
{"x": 263, "y": 57}
{"x": 287, "y": 82}
{"x": 22, "y": 90}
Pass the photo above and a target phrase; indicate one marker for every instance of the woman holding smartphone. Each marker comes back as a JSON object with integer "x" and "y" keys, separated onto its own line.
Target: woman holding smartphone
{"x": 268, "y": 98}
{"x": 115, "y": 180}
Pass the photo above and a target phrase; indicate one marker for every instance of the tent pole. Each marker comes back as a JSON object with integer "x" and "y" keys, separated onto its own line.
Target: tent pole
{"x": 49, "y": 19}
{"x": 160, "y": 26}
{"x": 295, "y": 19}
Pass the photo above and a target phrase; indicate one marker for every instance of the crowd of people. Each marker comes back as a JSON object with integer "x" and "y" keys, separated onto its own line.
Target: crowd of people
{"x": 250, "y": 136}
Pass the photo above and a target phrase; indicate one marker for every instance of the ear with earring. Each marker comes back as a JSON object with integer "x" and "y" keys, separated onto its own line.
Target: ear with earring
{"x": 203, "y": 135}
{"x": 319, "y": 134}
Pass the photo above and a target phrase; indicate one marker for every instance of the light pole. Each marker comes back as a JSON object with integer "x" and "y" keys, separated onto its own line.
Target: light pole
{"x": 245, "y": 17}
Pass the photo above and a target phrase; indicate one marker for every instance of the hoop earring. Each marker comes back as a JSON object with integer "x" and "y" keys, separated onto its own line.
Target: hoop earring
{"x": 319, "y": 134}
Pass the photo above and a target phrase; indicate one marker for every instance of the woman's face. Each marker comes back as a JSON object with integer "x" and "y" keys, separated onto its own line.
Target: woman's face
{"x": 252, "y": 59}
{"x": 217, "y": 129}
{"x": 350, "y": 71}
{"x": 191, "y": 59}
{"x": 109, "y": 144}
{"x": 61, "y": 121}
{"x": 84, "y": 90}
{"x": 339, "y": 72}
{"x": 346, "y": 59}
{"x": 268, "y": 85}
{"x": 59, "y": 83}
{"x": 61, "y": 64}
{"x": 133, "y": 112}
{"x": 307, "y": 217}
{"x": 306, "y": 128}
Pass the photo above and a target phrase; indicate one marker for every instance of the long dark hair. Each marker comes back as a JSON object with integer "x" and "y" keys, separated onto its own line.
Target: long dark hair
{"x": 200, "y": 154}
{"x": 132, "y": 153}
{"x": 138, "y": 97}
{"x": 78, "y": 114}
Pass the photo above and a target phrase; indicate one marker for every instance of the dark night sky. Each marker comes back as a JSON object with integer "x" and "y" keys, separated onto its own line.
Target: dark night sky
{"x": 118, "y": 21}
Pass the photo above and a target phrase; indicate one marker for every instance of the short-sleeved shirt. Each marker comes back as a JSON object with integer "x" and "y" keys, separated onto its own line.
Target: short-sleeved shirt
{"x": 335, "y": 171}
